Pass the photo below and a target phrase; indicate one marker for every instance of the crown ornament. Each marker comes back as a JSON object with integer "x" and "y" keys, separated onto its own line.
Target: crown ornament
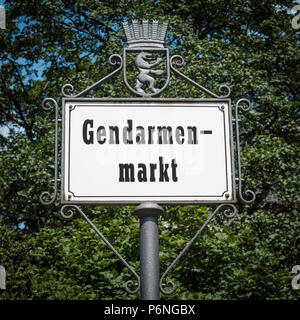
{"x": 145, "y": 34}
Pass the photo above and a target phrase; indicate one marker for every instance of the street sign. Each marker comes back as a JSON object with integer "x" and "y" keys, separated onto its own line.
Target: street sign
{"x": 128, "y": 151}
{"x": 147, "y": 150}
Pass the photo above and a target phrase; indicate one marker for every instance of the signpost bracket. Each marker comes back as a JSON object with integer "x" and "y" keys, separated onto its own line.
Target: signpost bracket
{"x": 113, "y": 60}
{"x": 178, "y": 61}
{"x": 45, "y": 197}
{"x": 227, "y": 215}
{"x": 241, "y": 103}
{"x": 71, "y": 210}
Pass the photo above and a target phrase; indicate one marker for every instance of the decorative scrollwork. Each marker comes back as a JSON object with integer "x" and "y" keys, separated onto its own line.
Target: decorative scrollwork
{"x": 168, "y": 284}
{"x": 131, "y": 283}
{"x": 250, "y": 193}
{"x": 45, "y": 197}
{"x": 245, "y": 105}
{"x": 68, "y": 87}
{"x": 71, "y": 210}
{"x": 225, "y": 88}
{"x": 178, "y": 61}
{"x": 226, "y": 213}
{"x": 226, "y": 207}
{"x": 113, "y": 60}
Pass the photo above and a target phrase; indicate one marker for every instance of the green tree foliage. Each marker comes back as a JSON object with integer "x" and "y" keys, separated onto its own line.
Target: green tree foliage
{"x": 249, "y": 45}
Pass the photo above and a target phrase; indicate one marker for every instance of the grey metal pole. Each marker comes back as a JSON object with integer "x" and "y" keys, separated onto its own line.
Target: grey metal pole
{"x": 148, "y": 213}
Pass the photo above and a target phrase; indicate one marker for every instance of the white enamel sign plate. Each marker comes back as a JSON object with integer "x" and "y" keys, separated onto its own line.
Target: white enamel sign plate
{"x": 135, "y": 151}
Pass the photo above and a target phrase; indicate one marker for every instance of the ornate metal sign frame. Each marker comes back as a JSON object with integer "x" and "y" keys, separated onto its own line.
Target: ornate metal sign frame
{"x": 147, "y": 39}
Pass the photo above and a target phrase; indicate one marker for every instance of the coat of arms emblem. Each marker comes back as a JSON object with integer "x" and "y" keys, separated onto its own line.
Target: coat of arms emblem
{"x": 149, "y": 74}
